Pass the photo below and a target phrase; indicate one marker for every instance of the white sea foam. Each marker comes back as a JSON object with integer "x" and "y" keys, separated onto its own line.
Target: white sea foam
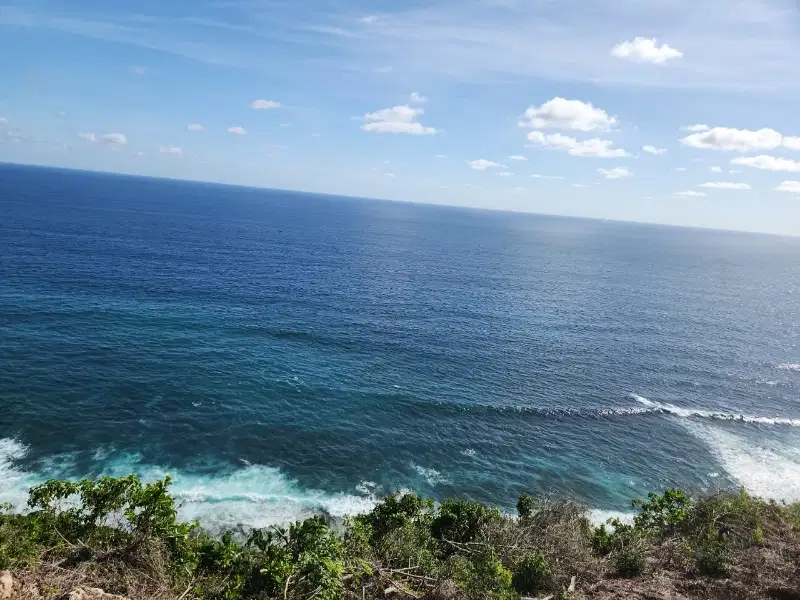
{"x": 601, "y": 517}
{"x": 767, "y": 469}
{"x": 432, "y": 476}
{"x": 468, "y": 452}
{"x": 789, "y": 367}
{"x": 251, "y": 496}
{"x": 707, "y": 414}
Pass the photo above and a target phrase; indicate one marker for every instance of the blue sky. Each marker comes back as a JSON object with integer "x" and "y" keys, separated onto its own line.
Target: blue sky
{"x": 671, "y": 111}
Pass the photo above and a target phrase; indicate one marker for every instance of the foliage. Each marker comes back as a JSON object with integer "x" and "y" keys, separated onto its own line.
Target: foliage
{"x": 525, "y": 506}
{"x": 459, "y": 549}
{"x": 531, "y": 573}
{"x": 460, "y": 520}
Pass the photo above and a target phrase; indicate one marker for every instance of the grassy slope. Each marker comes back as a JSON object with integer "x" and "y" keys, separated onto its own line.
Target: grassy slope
{"x": 122, "y": 535}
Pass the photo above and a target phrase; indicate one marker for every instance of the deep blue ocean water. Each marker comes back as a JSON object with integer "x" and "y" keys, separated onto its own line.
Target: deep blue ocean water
{"x": 282, "y": 353}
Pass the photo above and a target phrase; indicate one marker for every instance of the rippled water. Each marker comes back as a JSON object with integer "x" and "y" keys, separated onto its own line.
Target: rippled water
{"x": 283, "y": 353}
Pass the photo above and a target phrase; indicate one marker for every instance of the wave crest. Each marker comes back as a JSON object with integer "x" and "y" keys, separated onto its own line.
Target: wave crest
{"x": 678, "y": 411}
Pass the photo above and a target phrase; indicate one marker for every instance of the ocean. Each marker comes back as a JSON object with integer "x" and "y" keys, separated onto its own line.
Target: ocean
{"x": 282, "y": 354}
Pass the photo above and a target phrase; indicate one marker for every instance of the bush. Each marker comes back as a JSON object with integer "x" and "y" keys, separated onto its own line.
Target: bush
{"x": 525, "y": 506}
{"x": 660, "y": 515}
{"x": 394, "y": 511}
{"x": 460, "y": 520}
{"x": 532, "y": 573}
{"x": 481, "y": 576}
{"x": 628, "y": 552}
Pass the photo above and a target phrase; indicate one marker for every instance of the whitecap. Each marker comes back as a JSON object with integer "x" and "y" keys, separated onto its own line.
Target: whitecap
{"x": 469, "y": 452}
{"x": 431, "y": 476}
{"x": 789, "y": 367}
{"x": 678, "y": 411}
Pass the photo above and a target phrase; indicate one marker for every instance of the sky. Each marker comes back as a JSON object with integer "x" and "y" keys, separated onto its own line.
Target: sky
{"x": 680, "y": 112}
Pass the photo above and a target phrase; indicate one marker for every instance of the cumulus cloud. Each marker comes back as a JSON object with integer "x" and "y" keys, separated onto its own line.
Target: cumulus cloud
{"x": 441, "y": 156}
{"x": 645, "y": 50}
{"x": 742, "y": 140}
{"x": 417, "y": 98}
{"x": 654, "y": 150}
{"x": 725, "y": 185}
{"x": 138, "y": 70}
{"x": 615, "y": 173}
{"x": 793, "y": 143}
{"x": 696, "y": 128}
{"x": 593, "y": 147}
{"x": 538, "y": 176}
{"x": 715, "y": 169}
{"x": 482, "y": 164}
{"x": 264, "y": 104}
{"x": 560, "y": 113}
{"x": 690, "y": 194}
{"x": 237, "y": 130}
{"x": 517, "y": 157}
{"x": 170, "y": 150}
{"x": 793, "y": 187}
{"x": 768, "y": 163}
{"x": 505, "y": 173}
{"x": 89, "y": 137}
{"x": 194, "y": 127}
{"x": 398, "y": 119}
{"x": 388, "y": 174}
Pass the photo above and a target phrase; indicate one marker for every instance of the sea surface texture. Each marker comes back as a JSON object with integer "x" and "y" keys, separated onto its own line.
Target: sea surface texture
{"x": 282, "y": 354}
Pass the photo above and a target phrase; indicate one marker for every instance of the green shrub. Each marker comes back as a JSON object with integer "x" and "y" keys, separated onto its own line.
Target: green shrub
{"x": 662, "y": 514}
{"x": 525, "y": 506}
{"x": 394, "y": 511}
{"x": 712, "y": 555}
{"x": 628, "y": 552}
{"x": 481, "y": 576}
{"x": 460, "y": 520}
{"x": 532, "y": 573}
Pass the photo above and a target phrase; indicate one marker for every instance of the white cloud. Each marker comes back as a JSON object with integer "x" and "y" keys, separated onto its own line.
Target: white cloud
{"x": 560, "y": 113}
{"x": 140, "y": 153}
{"x": 3, "y": 121}
{"x": 138, "y": 70}
{"x": 725, "y": 185}
{"x": 237, "y": 130}
{"x": 398, "y": 119}
{"x": 681, "y": 169}
{"x": 645, "y": 50}
{"x": 505, "y": 174}
{"x": 264, "y": 104}
{"x": 654, "y": 150}
{"x": 194, "y": 127}
{"x": 388, "y": 174}
{"x": 482, "y": 164}
{"x": 517, "y": 157}
{"x": 369, "y": 19}
{"x": 441, "y": 156}
{"x": 768, "y": 163}
{"x": 117, "y": 139}
{"x": 170, "y": 150}
{"x": 61, "y": 114}
{"x": 743, "y": 140}
{"x": 417, "y": 98}
{"x": 538, "y": 176}
{"x": 690, "y": 193}
{"x": 696, "y": 128}
{"x": 793, "y": 143}
{"x": 734, "y": 171}
{"x": 579, "y": 185}
{"x": 593, "y": 147}
{"x": 715, "y": 169}
{"x": 615, "y": 173}
{"x": 793, "y": 187}
{"x": 113, "y": 138}
{"x": 519, "y": 189}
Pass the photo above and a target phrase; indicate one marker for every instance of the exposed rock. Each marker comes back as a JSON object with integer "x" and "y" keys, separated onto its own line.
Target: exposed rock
{"x": 6, "y": 585}
{"x": 88, "y": 593}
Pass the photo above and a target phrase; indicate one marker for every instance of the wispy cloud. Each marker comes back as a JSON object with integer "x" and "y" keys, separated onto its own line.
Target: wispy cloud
{"x": 732, "y": 43}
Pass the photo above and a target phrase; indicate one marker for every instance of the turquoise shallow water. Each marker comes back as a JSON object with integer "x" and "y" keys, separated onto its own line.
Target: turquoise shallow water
{"x": 283, "y": 353}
